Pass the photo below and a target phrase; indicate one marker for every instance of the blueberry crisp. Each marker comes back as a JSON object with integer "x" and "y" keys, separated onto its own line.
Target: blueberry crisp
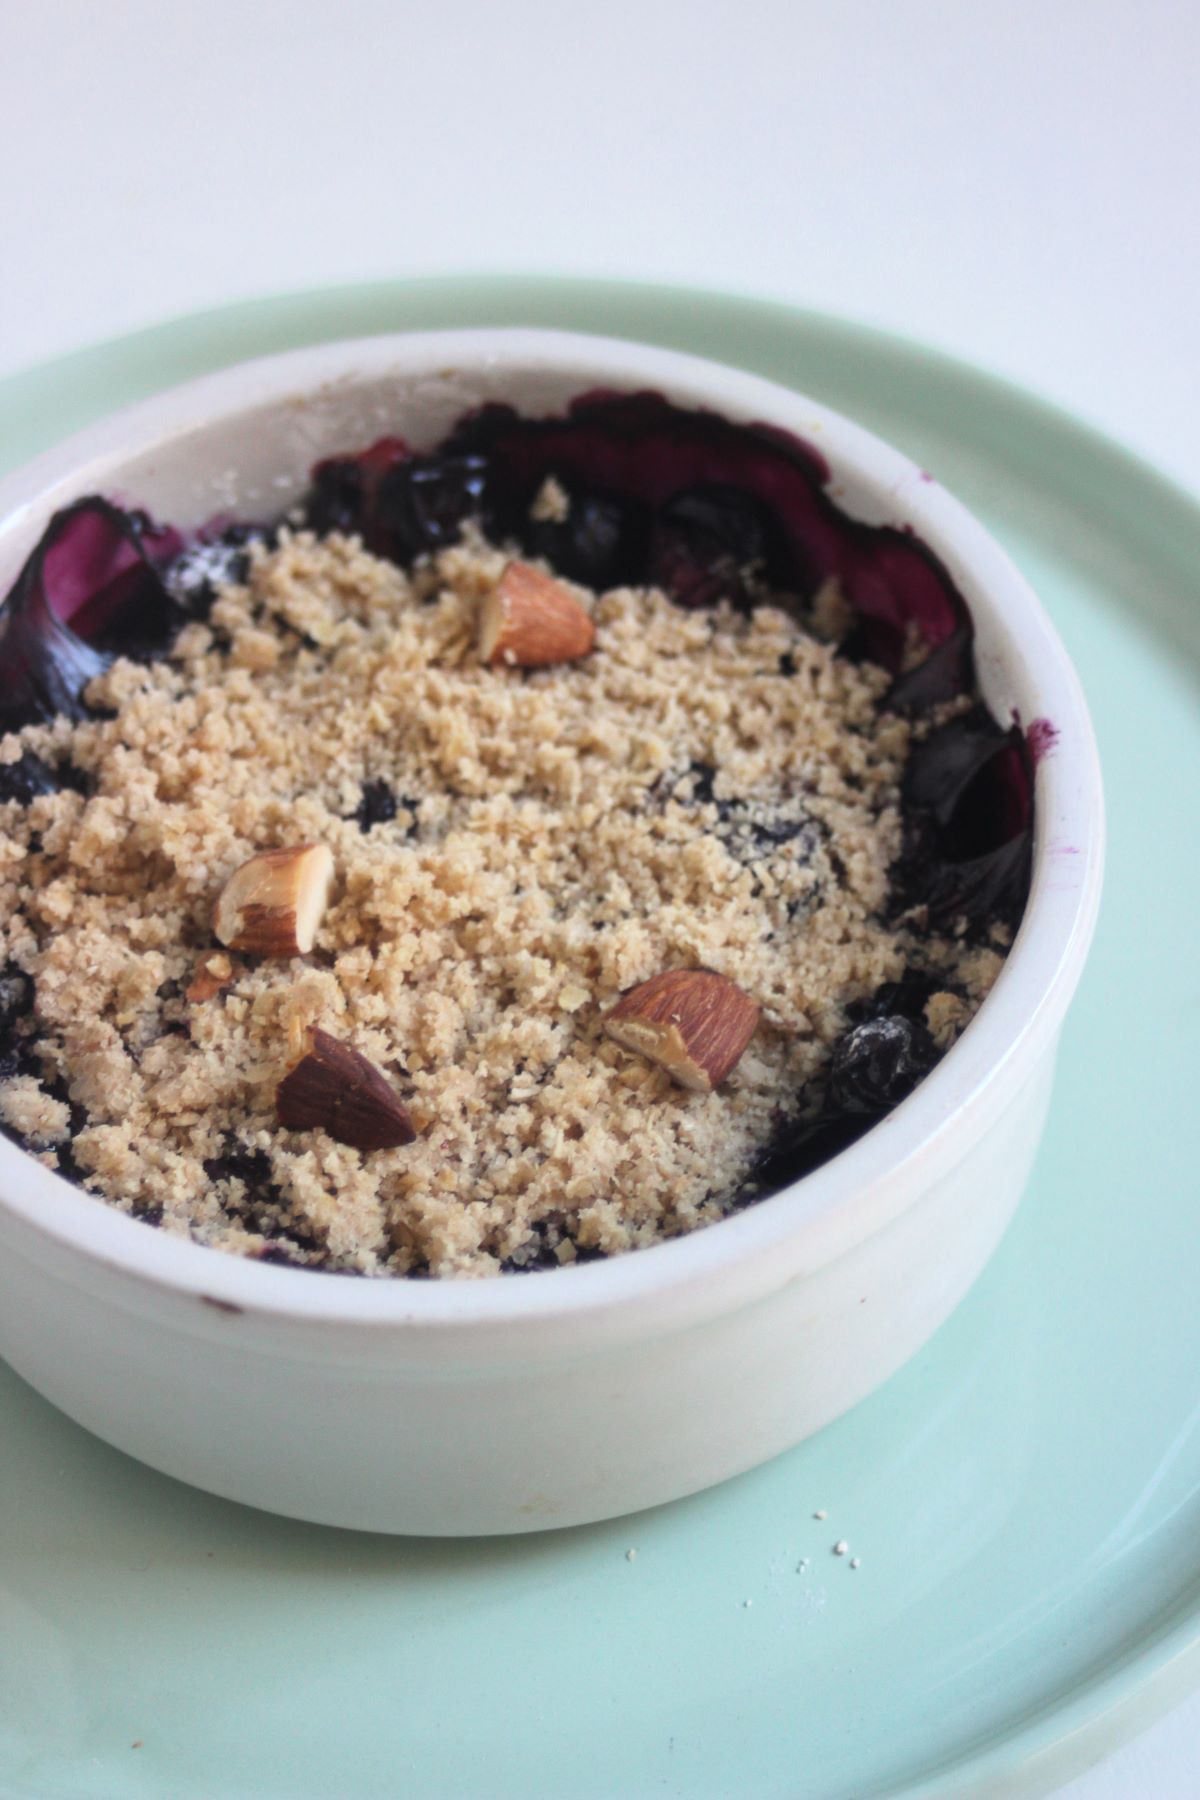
{"x": 524, "y": 852}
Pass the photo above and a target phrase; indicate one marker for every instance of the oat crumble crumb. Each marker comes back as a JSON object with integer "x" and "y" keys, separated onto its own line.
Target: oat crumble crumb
{"x": 945, "y": 1015}
{"x": 551, "y": 504}
{"x": 27, "y": 1109}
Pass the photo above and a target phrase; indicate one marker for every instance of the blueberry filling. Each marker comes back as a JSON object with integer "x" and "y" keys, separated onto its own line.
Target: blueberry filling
{"x": 537, "y": 1252}
{"x": 706, "y": 545}
{"x": 877, "y": 1064}
{"x": 16, "y": 1006}
{"x": 907, "y": 997}
{"x": 278, "y": 1257}
{"x": 213, "y": 561}
{"x": 420, "y": 506}
{"x": 654, "y": 495}
{"x": 260, "y": 1203}
{"x": 46, "y": 665}
{"x": 378, "y": 805}
{"x": 592, "y": 544}
{"x": 94, "y": 587}
{"x": 750, "y": 834}
{"x": 703, "y": 775}
{"x": 402, "y": 505}
{"x": 705, "y": 490}
{"x": 799, "y": 1147}
{"x": 337, "y": 499}
{"x": 29, "y": 776}
{"x": 539, "y": 1249}
{"x": 874, "y": 1065}
{"x": 968, "y": 822}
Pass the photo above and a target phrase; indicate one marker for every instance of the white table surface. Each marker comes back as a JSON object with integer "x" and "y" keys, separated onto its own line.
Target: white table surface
{"x": 1017, "y": 181}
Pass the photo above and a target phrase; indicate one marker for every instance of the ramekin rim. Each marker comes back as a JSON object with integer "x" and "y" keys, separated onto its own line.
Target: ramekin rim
{"x": 1024, "y": 1008}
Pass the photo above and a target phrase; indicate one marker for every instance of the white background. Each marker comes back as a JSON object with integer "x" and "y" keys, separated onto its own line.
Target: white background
{"x": 1015, "y": 180}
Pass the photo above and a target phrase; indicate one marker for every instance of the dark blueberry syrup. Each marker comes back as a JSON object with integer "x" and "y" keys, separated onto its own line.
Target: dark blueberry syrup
{"x": 656, "y": 495}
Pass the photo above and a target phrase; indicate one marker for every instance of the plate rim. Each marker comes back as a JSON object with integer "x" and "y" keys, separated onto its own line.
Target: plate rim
{"x": 1034, "y": 1753}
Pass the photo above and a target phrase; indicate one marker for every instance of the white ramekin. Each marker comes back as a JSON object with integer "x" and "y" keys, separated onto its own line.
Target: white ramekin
{"x": 509, "y": 1405}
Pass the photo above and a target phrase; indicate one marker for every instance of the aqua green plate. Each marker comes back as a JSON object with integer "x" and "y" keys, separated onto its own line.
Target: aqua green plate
{"x": 1024, "y": 1498}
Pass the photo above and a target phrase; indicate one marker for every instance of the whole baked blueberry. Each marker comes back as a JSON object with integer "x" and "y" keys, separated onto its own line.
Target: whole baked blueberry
{"x": 591, "y": 545}
{"x": 878, "y": 1063}
{"x": 421, "y": 505}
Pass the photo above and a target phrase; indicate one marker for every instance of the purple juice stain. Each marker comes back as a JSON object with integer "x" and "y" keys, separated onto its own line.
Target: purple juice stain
{"x": 1041, "y": 738}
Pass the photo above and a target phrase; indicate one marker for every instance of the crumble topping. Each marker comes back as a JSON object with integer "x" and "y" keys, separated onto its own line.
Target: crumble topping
{"x": 512, "y": 850}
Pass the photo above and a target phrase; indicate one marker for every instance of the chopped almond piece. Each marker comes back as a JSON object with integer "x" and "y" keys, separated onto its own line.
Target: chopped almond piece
{"x": 272, "y": 905}
{"x": 213, "y": 972}
{"x": 694, "y": 1023}
{"x": 335, "y": 1088}
{"x": 530, "y": 620}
